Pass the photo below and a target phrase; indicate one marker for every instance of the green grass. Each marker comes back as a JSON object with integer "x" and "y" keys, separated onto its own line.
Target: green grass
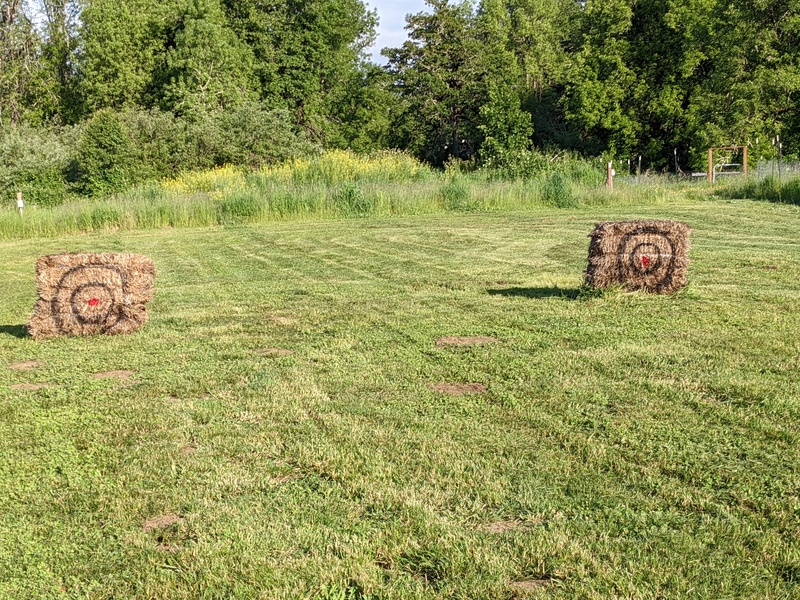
{"x": 785, "y": 190}
{"x": 256, "y": 199}
{"x": 637, "y": 446}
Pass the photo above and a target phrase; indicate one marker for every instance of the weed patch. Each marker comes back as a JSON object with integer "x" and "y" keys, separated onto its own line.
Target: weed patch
{"x": 557, "y": 191}
{"x": 455, "y": 196}
{"x": 348, "y": 200}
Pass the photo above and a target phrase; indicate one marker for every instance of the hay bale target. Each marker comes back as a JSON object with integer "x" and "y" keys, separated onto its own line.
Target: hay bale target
{"x": 652, "y": 256}
{"x": 89, "y": 294}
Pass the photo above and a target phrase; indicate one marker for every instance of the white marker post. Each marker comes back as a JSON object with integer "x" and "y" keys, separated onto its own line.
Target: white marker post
{"x": 20, "y": 203}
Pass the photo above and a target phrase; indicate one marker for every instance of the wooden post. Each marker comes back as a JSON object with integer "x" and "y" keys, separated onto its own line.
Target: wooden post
{"x": 744, "y": 161}
{"x": 610, "y": 176}
{"x": 710, "y": 173}
{"x": 20, "y": 203}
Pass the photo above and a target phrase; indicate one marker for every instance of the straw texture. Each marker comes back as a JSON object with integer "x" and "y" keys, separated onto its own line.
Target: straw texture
{"x": 641, "y": 255}
{"x": 88, "y": 294}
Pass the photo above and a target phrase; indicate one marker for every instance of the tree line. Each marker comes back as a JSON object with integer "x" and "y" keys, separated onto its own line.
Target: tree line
{"x": 489, "y": 82}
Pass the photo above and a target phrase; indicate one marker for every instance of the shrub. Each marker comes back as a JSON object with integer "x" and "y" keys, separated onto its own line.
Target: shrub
{"x": 35, "y": 162}
{"x": 120, "y": 149}
{"x": 161, "y": 145}
{"x": 253, "y": 136}
{"x": 105, "y": 155}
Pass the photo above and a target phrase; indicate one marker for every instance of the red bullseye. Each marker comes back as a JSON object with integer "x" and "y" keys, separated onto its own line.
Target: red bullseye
{"x": 94, "y": 302}
{"x": 645, "y": 261}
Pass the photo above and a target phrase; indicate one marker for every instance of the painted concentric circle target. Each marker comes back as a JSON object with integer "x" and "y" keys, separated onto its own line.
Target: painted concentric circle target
{"x": 647, "y": 258}
{"x": 83, "y": 294}
{"x": 648, "y": 254}
{"x": 89, "y": 297}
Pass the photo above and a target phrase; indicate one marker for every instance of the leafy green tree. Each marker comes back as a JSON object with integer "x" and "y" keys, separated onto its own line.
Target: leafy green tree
{"x": 541, "y": 35}
{"x": 477, "y": 78}
{"x": 124, "y": 46}
{"x": 439, "y": 77}
{"x": 60, "y": 22}
{"x": 745, "y": 64}
{"x": 507, "y": 131}
{"x": 208, "y": 68}
{"x": 20, "y": 75}
{"x": 602, "y": 84}
{"x": 177, "y": 54}
{"x": 651, "y": 77}
{"x": 308, "y": 56}
{"x": 505, "y": 126}
{"x": 360, "y": 112}
{"x": 539, "y": 32}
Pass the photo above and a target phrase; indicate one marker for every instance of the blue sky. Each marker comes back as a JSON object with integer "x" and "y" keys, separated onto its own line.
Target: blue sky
{"x": 392, "y": 15}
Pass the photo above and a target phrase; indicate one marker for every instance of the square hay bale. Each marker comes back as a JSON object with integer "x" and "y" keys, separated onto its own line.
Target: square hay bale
{"x": 88, "y": 294}
{"x": 641, "y": 255}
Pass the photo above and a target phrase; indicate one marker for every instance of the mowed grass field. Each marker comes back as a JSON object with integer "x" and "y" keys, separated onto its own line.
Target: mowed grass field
{"x": 277, "y": 433}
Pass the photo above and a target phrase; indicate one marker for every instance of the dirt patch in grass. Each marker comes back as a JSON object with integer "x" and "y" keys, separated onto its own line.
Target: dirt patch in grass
{"x": 526, "y": 586}
{"x": 473, "y": 340}
{"x": 124, "y": 375}
{"x": 26, "y": 365}
{"x": 30, "y": 387}
{"x": 274, "y": 352}
{"x": 504, "y": 527}
{"x": 459, "y": 389}
{"x": 188, "y": 449}
{"x": 161, "y": 522}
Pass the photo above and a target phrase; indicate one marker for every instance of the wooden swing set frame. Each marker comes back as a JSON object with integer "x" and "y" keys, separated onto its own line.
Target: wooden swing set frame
{"x": 711, "y": 151}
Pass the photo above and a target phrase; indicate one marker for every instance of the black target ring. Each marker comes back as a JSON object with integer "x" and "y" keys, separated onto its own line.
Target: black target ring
{"x": 67, "y": 295}
{"x": 653, "y": 264}
{"x": 661, "y": 268}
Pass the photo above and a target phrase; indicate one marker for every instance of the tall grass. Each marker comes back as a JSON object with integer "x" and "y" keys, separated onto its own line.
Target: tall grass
{"x": 771, "y": 189}
{"x": 335, "y": 185}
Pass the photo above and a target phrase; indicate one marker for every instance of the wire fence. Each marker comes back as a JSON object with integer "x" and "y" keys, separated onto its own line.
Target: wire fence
{"x": 773, "y": 168}
{"x": 760, "y": 170}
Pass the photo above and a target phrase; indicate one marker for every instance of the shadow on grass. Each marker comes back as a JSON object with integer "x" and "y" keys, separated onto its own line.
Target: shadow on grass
{"x": 17, "y": 331}
{"x": 538, "y": 292}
